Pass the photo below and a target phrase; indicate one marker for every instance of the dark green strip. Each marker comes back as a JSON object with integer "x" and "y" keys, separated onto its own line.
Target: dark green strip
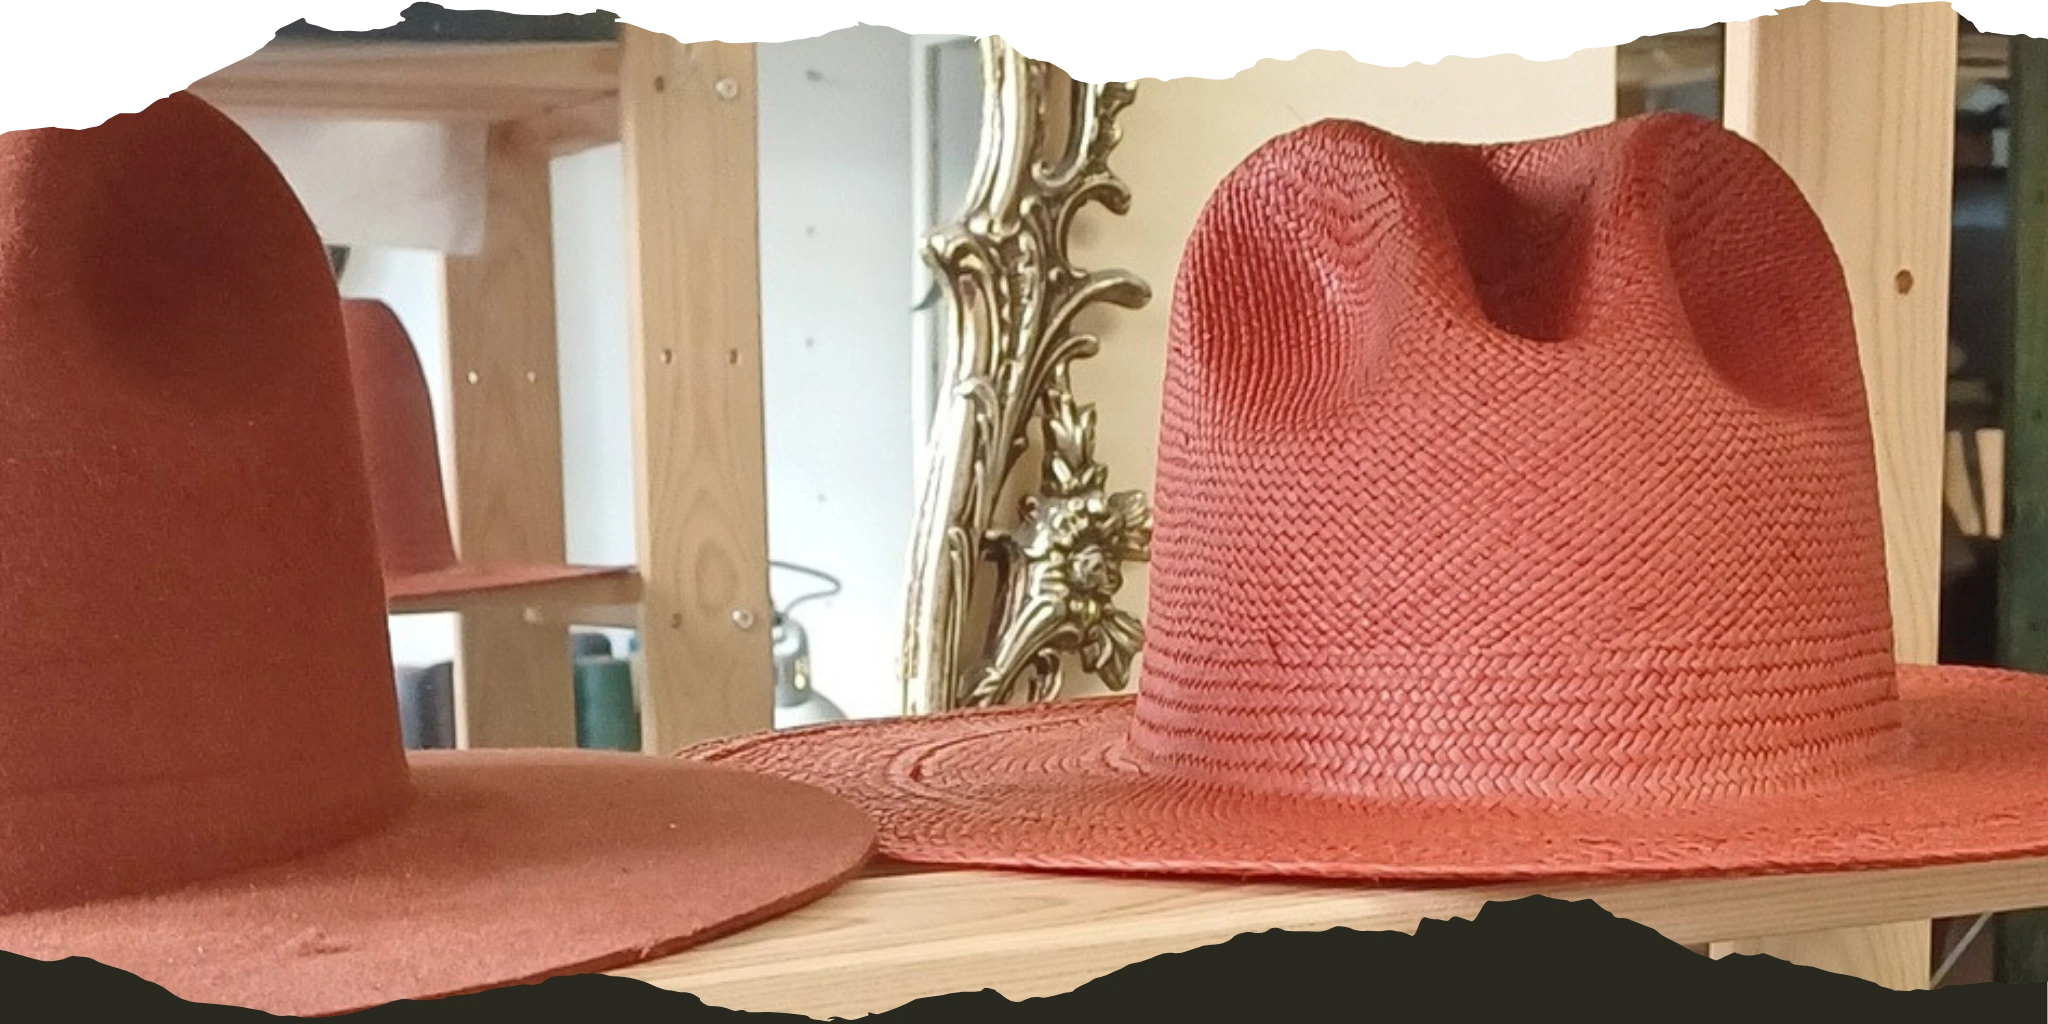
{"x": 2023, "y": 551}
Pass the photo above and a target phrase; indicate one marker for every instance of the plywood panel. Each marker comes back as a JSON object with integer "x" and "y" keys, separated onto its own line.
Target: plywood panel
{"x": 1858, "y": 104}
{"x": 687, "y": 125}
{"x": 886, "y": 939}
{"x": 505, "y": 468}
{"x": 1893, "y": 955}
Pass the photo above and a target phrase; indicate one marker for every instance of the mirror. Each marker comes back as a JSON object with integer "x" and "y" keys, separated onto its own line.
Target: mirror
{"x": 1016, "y": 541}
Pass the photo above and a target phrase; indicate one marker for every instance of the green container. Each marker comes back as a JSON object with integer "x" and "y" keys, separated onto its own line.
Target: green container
{"x": 607, "y": 715}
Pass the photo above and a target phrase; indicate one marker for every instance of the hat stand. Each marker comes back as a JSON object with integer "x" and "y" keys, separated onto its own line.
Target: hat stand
{"x": 1812, "y": 85}
{"x": 684, "y": 116}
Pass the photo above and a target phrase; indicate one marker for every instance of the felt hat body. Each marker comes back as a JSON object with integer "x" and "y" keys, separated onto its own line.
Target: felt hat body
{"x": 212, "y": 792}
{"x": 1517, "y": 519}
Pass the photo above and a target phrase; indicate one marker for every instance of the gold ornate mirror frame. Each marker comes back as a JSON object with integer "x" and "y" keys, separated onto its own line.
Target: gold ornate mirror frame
{"x": 999, "y": 604}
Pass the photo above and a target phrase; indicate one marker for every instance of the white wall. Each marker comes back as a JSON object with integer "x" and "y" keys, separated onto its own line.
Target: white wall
{"x": 837, "y": 251}
{"x": 837, "y": 245}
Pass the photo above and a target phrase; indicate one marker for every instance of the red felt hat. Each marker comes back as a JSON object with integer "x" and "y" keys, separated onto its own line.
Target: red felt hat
{"x": 1517, "y": 520}
{"x": 403, "y": 457}
{"x": 205, "y": 784}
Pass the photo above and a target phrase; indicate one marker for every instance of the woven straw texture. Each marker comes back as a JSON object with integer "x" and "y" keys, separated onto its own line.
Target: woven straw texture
{"x": 1517, "y": 517}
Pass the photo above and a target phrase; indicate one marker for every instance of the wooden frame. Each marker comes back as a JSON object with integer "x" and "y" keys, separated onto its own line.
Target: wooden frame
{"x": 884, "y": 940}
{"x": 1858, "y": 105}
{"x": 700, "y": 594}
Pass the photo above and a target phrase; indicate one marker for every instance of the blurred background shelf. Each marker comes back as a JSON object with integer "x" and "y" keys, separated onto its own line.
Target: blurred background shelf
{"x": 684, "y": 116}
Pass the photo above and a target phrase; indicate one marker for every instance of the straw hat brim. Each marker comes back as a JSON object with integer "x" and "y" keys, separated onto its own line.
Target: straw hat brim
{"x": 1046, "y": 787}
{"x": 509, "y": 867}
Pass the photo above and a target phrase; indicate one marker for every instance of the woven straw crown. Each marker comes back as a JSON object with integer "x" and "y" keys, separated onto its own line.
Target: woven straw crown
{"x": 1540, "y": 470}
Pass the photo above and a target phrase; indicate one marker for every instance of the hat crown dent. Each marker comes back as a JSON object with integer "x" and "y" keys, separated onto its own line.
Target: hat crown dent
{"x": 195, "y": 650}
{"x": 1528, "y": 471}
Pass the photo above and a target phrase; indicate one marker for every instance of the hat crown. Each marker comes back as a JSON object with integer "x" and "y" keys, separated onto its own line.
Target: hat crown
{"x": 197, "y": 671}
{"x": 1527, "y": 470}
{"x": 401, "y": 451}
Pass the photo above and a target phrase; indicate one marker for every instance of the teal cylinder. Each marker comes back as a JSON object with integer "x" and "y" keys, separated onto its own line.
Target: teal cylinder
{"x": 607, "y": 714}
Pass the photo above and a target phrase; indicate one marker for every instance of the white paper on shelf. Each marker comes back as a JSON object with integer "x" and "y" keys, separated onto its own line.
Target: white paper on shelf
{"x": 382, "y": 184}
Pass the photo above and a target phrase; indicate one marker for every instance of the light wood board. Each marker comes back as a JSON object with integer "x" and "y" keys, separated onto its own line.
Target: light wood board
{"x": 489, "y": 82}
{"x": 883, "y": 940}
{"x": 513, "y": 683}
{"x": 687, "y": 125}
{"x": 1858, "y": 105}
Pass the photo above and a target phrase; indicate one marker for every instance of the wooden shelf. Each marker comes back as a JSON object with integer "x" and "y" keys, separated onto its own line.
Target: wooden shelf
{"x": 568, "y": 91}
{"x": 611, "y": 599}
{"x": 895, "y": 936}
{"x": 684, "y": 118}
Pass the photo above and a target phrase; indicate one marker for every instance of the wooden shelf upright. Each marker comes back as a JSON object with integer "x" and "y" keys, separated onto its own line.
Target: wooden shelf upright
{"x": 684, "y": 116}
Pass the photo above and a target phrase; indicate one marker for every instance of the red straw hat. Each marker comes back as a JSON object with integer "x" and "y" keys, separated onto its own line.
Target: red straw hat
{"x": 1517, "y": 519}
{"x": 403, "y": 457}
{"x": 205, "y": 786}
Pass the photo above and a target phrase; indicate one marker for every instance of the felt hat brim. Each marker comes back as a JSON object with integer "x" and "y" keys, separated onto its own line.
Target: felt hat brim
{"x": 509, "y": 867}
{"x": 1047, "y": 787}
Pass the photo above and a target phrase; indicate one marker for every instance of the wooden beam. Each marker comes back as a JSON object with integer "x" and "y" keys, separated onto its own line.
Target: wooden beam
{"x": 1893, "y": 955}
{"x": 436, "y": 81}
{"x": 885, "y": 939}
{"x": 687, "y": 125}
{"x": 553, "y": 600}
{"x": 1858, "y": 104}
{"x": 567, "y": 130}
{"x": 512, "y": 680}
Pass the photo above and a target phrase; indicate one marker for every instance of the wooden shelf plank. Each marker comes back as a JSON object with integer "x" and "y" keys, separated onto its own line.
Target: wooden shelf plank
{"x": 552, "y": 600}
{"x": 883, "y": 940}
{"x": 409, "y": 81}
